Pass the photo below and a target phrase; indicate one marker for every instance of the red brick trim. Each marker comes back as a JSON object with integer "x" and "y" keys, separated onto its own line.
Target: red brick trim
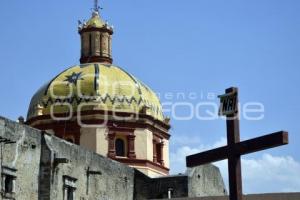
{"x": 131, "y": 146}
{"x": 111, "y": 145}
{"x": 93, "y": 59}
{"x": 93, "y": 29}
{"x": 159, "y": 128}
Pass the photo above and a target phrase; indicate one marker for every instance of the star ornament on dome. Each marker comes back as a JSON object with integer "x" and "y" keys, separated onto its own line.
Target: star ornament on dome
{"x": 73, "y": 78}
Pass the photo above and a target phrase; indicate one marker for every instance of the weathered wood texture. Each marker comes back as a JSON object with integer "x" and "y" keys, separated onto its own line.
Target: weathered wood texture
{"x": 235, "y": 148}
{"x": 241, "y": 148}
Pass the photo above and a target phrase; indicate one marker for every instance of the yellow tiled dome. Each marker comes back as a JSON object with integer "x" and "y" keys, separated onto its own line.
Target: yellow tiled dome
{"x": 95, "y": 22}
{"x": 94, "y": 86}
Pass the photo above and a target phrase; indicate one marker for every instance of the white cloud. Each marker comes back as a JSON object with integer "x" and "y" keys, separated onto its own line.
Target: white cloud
{"x": 267, "y": 173}
{"x": 271, "y": 173}
{"x": 178, "y": 157}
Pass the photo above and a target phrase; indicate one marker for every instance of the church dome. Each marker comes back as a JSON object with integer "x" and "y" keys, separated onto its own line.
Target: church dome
{"x": 103, "y": 108}
{"x": 95, "y": 86}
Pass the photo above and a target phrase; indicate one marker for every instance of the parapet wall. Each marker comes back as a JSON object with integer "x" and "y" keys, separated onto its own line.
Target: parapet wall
{"x": 47, "y": 166}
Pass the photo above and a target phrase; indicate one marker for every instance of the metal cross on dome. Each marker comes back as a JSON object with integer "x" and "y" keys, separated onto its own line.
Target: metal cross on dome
{"x": 96, "y": 5}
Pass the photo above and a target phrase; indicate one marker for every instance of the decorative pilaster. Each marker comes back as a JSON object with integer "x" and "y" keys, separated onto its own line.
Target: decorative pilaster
{"x": 161, "y": 149}
{"x": 154, "y": 151}
{"x": 111, "y": 145}
{"x": 131, "y": 144}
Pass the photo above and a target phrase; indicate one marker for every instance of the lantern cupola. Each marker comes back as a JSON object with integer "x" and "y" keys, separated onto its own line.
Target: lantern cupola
{"x": 96, "y": 39}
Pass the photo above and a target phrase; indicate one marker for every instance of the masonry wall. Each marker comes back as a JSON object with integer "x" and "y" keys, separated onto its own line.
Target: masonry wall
{"x": 96, "y": 176}
{"x": 23, "y": 155}
{"x": 204, "y": 181}
{"x": 42, "y": 161}
{"x": 46, "y": 166}
{"x": 157, "y": 188}
{"x": 200, "y": 181}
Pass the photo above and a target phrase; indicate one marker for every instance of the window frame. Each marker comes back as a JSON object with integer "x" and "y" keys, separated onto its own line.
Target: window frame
{"x": 8, "y": 174}
{"x": 69, "y": 186}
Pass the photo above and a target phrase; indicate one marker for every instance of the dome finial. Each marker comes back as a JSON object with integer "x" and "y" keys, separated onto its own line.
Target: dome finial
{"x": 96, "y": 6}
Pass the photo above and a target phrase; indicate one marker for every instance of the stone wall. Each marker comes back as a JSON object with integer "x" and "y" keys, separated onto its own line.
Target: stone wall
{"x": 157, "y": 188}
{"x": 23, "y": 156}
{"x": 96, "y": 176}
{"x": 200, "y": 181}
{"x": 205, "y": 180}
{"x": 45, "y": 167}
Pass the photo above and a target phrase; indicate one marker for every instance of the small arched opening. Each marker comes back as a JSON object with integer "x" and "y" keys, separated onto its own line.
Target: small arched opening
{"x": 120, "y": 147}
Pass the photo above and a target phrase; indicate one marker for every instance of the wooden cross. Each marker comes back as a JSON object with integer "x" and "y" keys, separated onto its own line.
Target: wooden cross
{"x": 235, "y": 148}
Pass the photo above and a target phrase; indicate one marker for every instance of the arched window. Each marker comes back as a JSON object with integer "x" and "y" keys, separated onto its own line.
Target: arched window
{"x": 120, "y": 147}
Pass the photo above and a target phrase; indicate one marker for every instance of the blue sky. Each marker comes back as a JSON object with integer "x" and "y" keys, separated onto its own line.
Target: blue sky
{"x": 194, "y": 46}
